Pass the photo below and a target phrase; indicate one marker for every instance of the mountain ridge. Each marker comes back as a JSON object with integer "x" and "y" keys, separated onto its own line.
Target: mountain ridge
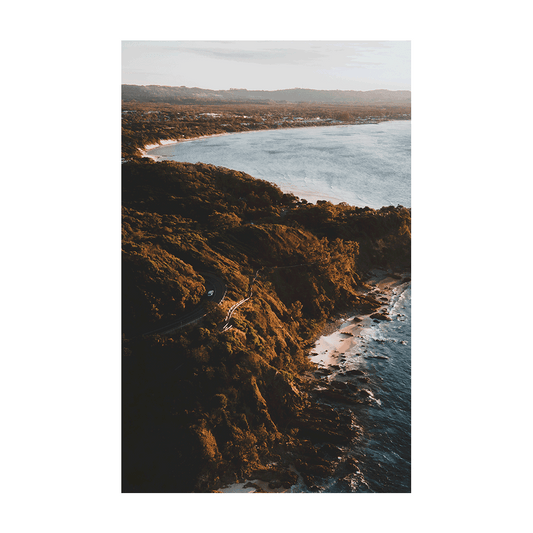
{"x": 171, "y": 94}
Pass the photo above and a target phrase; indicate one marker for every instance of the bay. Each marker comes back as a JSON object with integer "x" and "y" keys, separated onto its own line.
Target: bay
{"x": 362, "y": 165}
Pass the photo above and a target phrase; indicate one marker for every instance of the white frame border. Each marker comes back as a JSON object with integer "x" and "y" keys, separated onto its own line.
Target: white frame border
{"x": 113, "y": 32}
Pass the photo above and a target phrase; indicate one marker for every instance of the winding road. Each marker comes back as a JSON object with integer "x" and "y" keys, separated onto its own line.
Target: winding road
{"x": 212, "y": 283}
{"x": 215, "y": 291}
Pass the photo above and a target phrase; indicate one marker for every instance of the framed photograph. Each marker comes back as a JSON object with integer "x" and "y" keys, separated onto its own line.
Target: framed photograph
{"x": 266, "y": 266}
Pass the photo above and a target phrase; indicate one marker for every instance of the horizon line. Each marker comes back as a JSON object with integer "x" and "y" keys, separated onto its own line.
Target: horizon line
{"x": 263, "y": 90}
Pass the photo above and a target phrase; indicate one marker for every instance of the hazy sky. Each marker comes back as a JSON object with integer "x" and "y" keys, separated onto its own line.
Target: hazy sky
{"x": 269, "y": 65}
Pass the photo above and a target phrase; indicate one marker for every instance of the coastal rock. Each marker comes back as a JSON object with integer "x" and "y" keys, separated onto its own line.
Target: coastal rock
{"x": 337, "y": 396}
{"x": 352, "y": 465}
{"x": 339, "y": 385}
{"x": 320, "y": 470}
{"x": 308, "y": 480}
{"x": 380, "y": 316}
{"x": 311, "y": 483}
{"x": 281, "y": 395}
{"x": 355, "y": 372}
{"x": 275, "y": 475}
{"x": 251, "y": 485}
{"x": 331, "y": 450}
{"x": 353, "y": 387}
{"x": 323, "y": 424}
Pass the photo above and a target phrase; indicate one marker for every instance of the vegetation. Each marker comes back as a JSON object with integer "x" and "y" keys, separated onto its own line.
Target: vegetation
{"x": 148, "y": 122}
{"x": 202, "y": 405}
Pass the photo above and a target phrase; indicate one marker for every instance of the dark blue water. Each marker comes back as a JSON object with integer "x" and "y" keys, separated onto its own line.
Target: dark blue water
{"x": 384, "y": 449}
{"x": 380, "y": 353}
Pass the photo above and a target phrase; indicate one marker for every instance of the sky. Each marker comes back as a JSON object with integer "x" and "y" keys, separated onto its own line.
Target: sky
{"x": 269, "y": 65}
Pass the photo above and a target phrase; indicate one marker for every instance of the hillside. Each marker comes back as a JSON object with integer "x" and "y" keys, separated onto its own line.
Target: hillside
{"x": 148, "y": 123}
{"x": 201, "y": 405}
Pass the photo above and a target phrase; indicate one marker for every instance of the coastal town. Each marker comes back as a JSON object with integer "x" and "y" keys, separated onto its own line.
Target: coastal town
{"x": 150, "y": 122}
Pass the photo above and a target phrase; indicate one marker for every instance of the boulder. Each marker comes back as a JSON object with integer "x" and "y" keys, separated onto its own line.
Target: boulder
{"x": 331, "y": 450}
{"x": 337, "y": 396}
{"x": 352, "y": 465}
{"x": 355, "y": 372}
{"x": 320, "y": 470}
{"x": 275, "y": 475}
{"x": 380, "y": 316}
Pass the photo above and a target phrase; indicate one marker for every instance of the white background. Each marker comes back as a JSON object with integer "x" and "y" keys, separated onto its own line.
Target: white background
{"x": 113, "y": 32}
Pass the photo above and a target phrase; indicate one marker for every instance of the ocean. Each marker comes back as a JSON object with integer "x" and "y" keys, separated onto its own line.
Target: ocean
{"x": 375, "y": 357}
{"x": 362, "y": 165}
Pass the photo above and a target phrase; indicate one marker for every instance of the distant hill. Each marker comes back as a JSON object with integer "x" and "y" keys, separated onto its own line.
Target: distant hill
{"x": 160, "y": 93}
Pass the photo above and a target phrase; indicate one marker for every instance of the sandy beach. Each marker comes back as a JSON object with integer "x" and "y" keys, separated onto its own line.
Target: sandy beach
{"x": 329, "y": 350}
{"x": 256, "y": 485}
{"x": 166, "y": 142}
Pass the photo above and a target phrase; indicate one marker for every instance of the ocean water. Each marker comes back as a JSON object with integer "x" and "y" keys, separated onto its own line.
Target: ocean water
{"x": 374, "y": 357}
{"x": 384, "y": 452}
{"x": 362, "y": 165}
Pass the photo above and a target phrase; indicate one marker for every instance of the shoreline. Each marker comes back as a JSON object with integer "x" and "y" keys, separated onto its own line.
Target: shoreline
{"x": 339, "y": 336}
{"x": 343, "y": 334}
{"x": 310, "y": 196}
{"x": 167, "y": 142}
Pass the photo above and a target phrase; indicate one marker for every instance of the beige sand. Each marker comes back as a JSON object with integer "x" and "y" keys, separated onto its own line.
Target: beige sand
{"x": 330, "y": 348}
